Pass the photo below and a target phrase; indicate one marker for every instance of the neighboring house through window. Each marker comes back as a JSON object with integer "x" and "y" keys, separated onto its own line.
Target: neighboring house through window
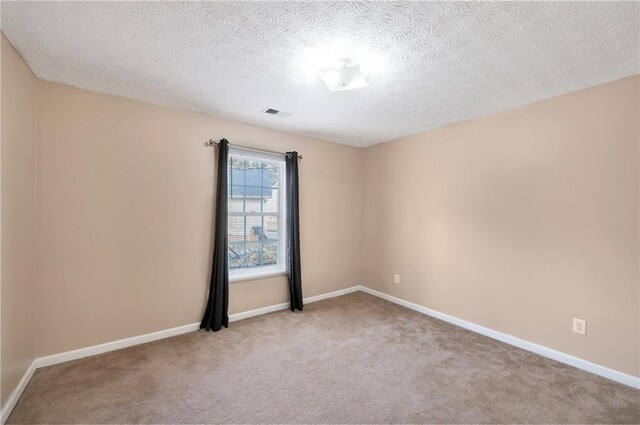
{"x": 256, "y": 213}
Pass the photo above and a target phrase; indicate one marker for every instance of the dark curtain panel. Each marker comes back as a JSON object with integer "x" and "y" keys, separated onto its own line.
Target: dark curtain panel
{"x": 217, "y": 312}
{"x": 293, "y": 232}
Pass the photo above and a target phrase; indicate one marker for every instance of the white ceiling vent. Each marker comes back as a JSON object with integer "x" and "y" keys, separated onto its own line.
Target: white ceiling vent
{"x": 277, "y": 112}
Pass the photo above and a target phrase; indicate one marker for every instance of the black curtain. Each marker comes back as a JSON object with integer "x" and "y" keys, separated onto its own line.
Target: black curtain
{"x": 217, "y": 312}
{"x": 293, "y": 232}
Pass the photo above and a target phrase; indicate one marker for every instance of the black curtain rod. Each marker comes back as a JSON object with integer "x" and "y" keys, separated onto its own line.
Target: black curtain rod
{"x": 212, "y": 142}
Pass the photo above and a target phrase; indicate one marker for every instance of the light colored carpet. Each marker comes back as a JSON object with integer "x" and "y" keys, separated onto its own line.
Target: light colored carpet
{"x": 353, "y": 359}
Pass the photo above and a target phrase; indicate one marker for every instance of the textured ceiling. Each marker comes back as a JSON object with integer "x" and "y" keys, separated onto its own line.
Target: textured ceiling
{"x": 427, "y": 64}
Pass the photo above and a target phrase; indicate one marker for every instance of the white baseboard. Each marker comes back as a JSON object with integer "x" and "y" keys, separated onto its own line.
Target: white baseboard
{"x": 113, "y": 345}
{"x": 283, "y": 306}
{"x": 17, "y": 392}
{"x": 559, "y": 356}
{"x": 154, "y": 336}
{"x": 141, "y": 339}
{"x": 333, "y": 294}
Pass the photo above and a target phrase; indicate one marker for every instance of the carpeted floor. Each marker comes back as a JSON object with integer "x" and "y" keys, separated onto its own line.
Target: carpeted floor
{"x": 353, "y": 359}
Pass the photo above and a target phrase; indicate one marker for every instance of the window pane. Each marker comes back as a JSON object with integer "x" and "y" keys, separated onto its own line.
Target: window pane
{"x": 270, "y": 174}
{"x": 236, "y": 229}
{"x": 236, "y": 203}
{"x": 254, "y": 254}
{"x": 237, "y": 256}
{"x": 270, "y": 253}
{"x": 236, "y": 184}
{"x": 271, "y": 228}
{"x": 253, "y": 201}
{"x": 253, "y": 229}
{"x": 270, "y": 200}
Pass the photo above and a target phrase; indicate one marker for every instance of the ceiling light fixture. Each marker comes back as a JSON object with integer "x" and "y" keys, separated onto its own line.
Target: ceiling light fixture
{"x": 345, "y": 76}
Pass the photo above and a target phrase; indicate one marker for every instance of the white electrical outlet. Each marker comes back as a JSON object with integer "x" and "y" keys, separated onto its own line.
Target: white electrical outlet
{"x": 580, "y": 326}
{"x": 396, "y": 278}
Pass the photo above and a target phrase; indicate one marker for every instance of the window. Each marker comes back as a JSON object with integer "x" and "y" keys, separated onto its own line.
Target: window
{"x": 256, "y": 213}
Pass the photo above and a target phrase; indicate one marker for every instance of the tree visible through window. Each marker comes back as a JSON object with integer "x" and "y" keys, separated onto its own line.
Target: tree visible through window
{"x": 255, "y": 214}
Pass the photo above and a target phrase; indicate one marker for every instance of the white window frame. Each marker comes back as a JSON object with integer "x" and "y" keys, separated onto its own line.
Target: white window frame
{"x": 279, "y": 269}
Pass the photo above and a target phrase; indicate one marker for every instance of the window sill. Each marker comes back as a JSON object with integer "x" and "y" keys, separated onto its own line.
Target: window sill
{"x": 255, "y": 276}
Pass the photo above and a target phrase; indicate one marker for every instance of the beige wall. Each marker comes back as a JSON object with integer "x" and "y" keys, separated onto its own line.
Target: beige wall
{"x": 519, "y": 222}
{"x": 125, "y": 217}
{"x": 18, "y": 177}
